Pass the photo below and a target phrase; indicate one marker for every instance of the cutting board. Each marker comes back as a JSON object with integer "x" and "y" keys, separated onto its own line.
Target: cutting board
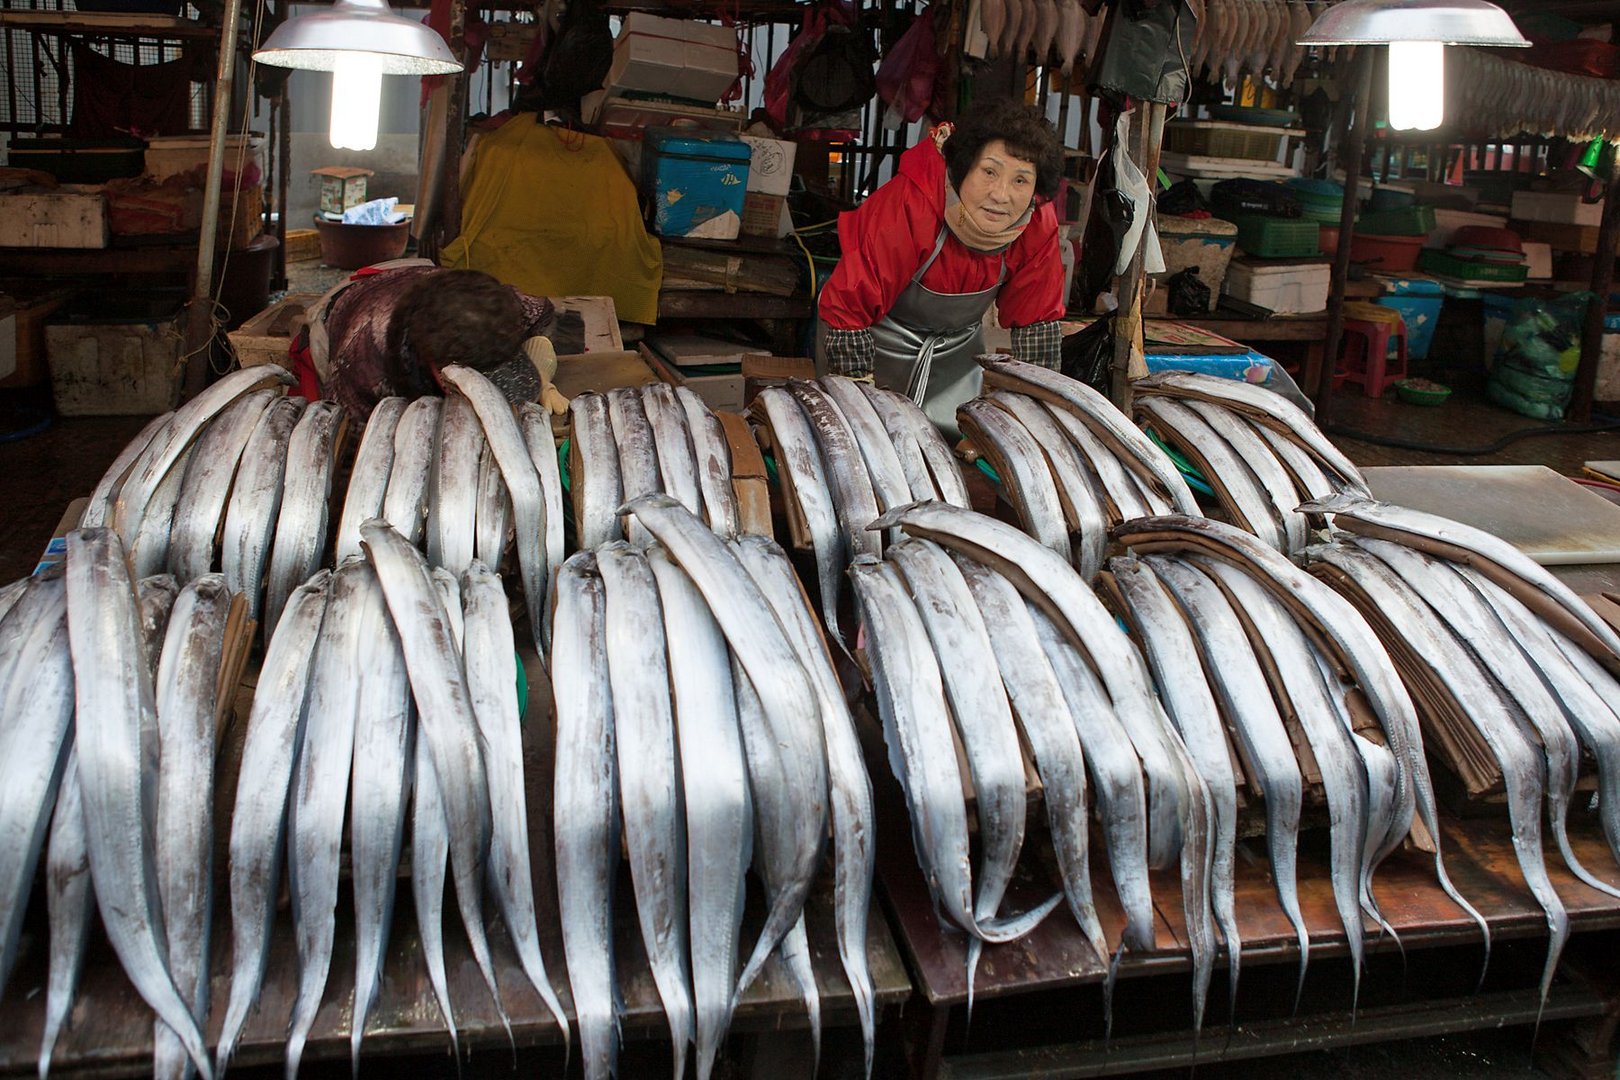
{"x": 1549, "y": 517}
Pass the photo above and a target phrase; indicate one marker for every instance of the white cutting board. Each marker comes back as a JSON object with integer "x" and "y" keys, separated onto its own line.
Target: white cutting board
{"x": 1549, "y": 517}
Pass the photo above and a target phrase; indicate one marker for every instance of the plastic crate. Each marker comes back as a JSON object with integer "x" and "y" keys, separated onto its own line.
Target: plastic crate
{"x": 1440, "y": 262}
{"x": 1278, "y": 238}
{"x": 1404, "y": 221}
{"x": 1218, "y": 138}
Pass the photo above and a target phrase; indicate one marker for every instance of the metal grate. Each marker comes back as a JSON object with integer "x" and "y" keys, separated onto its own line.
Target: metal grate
{"x": 38, "y": 90}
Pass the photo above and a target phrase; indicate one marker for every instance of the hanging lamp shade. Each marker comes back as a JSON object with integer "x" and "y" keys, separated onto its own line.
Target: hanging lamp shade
{"x": 314, "y": 42}
{"x": 1381, "y": 22}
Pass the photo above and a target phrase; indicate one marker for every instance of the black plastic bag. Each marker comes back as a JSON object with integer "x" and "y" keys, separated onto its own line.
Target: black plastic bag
{"x": 1188, "y": 294}
{"x": 1182, "y": 197}
{"x": 1089, "y": 355}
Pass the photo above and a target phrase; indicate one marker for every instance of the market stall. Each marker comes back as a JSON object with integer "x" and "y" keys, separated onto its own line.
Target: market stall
{"x": 1098, "y": 689}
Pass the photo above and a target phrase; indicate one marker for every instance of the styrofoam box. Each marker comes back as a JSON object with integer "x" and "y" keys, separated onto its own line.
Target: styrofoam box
{"x": 679, "y": 57}
{"x": 1560, "y": 208}
{"x": 171, "y": 155}
{"x": 1286, "y": 290}
{"x": 66, "y": 217}
{"x": 770, "y": 165}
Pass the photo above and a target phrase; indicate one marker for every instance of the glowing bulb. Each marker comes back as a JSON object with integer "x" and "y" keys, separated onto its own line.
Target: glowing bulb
{"x": 1417, "y": 85}
{"x": 356, "y": 100}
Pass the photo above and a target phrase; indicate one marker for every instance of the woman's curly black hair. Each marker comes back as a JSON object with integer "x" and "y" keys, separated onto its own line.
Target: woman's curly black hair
{"x": 452, "y": 317}
{"x": 1026, "y": 133}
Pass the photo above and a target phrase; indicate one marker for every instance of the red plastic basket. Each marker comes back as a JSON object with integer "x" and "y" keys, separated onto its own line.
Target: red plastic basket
{"x": 1386, "y": 253}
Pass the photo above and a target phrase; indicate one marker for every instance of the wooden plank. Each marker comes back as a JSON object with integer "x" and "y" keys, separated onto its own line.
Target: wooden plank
{"x": 1289, "y": 1035}
{"x": 1479, "y": 856}
{"x": 713, "y": 304}
{"x": 107, "y": 24}
{"x": 111, "y": 1029}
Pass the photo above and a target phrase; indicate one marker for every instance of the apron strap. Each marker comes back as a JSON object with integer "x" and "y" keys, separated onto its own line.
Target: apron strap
{"x": 939, "y": 245}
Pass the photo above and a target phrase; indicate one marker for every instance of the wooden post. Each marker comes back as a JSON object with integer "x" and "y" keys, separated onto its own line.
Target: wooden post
{"x": 1319, "y": 383}
{"x": 1129, "y": 362}
{"x": 1580, "y": 407}
{"x": 198, "y": 333}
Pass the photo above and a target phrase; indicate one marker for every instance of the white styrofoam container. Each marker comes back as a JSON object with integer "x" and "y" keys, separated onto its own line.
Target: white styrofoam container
{"x": 124, "y": 369}
{"x": 66, "y": 217}
{"x": 1286, "y": 290}
{"x": 171, "y": 155}
{"x": 1560, "y": 208}
{"x": 1447, "y": 222}
{"x": 679, "y": 57}
{"x": 770, "y": 165}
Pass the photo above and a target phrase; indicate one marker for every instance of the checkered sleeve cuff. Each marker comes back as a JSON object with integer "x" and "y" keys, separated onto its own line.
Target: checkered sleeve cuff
{"x": 849, "y": 352}
{"x": 1039, "y": 343}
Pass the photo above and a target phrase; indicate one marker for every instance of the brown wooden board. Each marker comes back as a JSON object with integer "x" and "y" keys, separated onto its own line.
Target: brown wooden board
{"x": 111, "y": 1028}
{"x": 1479, "y": 856}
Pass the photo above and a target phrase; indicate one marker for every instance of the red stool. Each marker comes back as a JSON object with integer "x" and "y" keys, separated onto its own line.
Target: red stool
{"x": 1364, "y": 356}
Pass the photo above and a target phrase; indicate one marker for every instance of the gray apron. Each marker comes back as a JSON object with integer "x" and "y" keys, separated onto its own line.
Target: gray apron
{"x": 925, "y": 347}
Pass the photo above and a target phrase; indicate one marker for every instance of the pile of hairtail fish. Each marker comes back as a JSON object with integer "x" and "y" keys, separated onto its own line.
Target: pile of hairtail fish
{"x": 1251, "y": 649}
{"x": 388, "y": 686}
{"x": 1314, "y": 633}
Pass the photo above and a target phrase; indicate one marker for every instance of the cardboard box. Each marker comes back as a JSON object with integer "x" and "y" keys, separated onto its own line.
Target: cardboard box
{"x": 679, "y": 57}
{"x": 770, "y": 164}
{"x": 1581, "y": 238}
{"x": 722, "y": 392}
{"x": 56, "y": 550}
{"x": 765, "y": 215}
{"x": 64, "y": 217}
{"x": 748, "y": 477}
{"x": 626, "y": 118}
{"x": 22, "y": 334}
{"x": 760, "y": 372}
{"x": 342, "y": 186}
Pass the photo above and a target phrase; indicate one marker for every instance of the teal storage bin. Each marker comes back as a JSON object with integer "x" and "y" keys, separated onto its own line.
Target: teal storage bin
{"x": 1419, "y": 301}
{"x": 693, "y": 178}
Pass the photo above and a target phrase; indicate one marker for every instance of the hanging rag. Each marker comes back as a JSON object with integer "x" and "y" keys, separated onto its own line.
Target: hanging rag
{"x": 1145, "y": 54}
{"x": 112, "y": 98}
{"x": 552, "y": 212}
{"x": 1131, "y": 182}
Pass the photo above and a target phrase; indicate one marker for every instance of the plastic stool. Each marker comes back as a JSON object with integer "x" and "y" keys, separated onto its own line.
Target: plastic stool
{"x": 1364, "y": 357}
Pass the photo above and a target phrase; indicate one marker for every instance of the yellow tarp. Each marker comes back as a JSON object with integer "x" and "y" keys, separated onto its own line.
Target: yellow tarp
{"x": 553, "y": 213}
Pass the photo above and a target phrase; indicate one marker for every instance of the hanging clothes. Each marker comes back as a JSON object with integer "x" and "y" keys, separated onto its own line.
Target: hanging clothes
{"x": 111, "y": 98}
{"x": 553, "y": 213}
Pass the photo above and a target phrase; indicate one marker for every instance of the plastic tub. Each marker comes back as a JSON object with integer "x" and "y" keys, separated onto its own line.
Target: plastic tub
{"x": 1387, "y": 254}
{"x": 349, "y": 247}
{"x": 1419, "y": 300}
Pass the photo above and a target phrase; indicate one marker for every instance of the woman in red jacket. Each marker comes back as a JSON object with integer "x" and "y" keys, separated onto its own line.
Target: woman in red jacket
{"x": 967, "y": 221}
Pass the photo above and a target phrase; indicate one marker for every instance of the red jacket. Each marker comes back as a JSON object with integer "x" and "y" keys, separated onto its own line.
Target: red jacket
{"x": 888, "y": 237}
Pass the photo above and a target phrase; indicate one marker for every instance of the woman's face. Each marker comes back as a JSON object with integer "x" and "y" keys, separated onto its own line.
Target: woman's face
{"x": 999, "y": 187}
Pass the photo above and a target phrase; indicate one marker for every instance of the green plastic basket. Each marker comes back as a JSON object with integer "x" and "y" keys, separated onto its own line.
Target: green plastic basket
{"x": 1414, "y": 395}
{"x": 1439, "y": 262}
{"x": 1406, "y": 221}
{"x": 1278, "y": 238}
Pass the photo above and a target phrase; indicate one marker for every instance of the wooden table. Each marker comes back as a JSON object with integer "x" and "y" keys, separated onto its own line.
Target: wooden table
{"x": 111, "y": 1027}
{"x": 1054, "y": 964}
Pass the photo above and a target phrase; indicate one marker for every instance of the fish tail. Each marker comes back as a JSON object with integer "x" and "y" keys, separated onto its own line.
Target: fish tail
{"x": 1457, "y": 898}
{"x": 1108, "y": 994}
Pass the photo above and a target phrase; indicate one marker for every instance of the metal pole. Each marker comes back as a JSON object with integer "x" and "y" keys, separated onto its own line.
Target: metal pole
{"x": 1353, "y": 145}
{"x": 200, "y": 314}
{"x": 1580, "y": 408}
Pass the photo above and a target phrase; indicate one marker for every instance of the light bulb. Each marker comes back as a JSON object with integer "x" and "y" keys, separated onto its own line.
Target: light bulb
{"x": 356, "y": 100}
{"x": 1417, "y": 85}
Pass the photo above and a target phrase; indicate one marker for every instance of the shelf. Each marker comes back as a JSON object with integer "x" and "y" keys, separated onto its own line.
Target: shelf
{"x": 106, "y": 24}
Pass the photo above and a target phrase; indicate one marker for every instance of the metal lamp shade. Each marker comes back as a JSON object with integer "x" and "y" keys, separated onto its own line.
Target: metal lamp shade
{"x": 313, "y": 42}
{"x": 1380, "y": 22}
